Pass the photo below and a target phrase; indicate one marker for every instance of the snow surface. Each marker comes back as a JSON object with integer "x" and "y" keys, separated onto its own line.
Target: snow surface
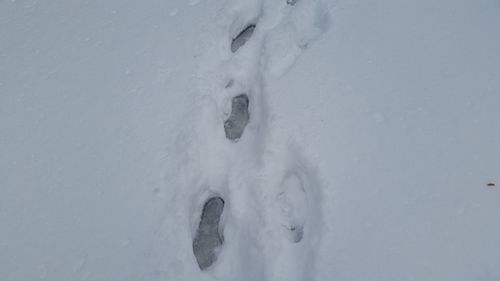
{"x": 374, "y": 124}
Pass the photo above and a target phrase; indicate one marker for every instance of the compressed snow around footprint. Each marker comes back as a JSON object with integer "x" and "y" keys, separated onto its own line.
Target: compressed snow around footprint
{"x": 235, "y": 169}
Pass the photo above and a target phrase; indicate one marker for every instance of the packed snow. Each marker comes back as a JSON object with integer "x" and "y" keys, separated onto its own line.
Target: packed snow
{"x": 348, "y": 140}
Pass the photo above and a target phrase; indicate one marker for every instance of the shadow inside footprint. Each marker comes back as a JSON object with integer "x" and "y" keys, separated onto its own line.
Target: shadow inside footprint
{"x": 208, "y": 239}
{"x": 296, "y": 232}
{"x": 238, "y": 119}
{"x": 242, "y": 38}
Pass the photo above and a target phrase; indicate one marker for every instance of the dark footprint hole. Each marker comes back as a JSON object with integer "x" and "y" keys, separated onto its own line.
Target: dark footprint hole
{"x": 291, "y": 2}
{"x": 235, "y": 125}
{"x": 208, "y": 238}
{"x": 242, "y": 38}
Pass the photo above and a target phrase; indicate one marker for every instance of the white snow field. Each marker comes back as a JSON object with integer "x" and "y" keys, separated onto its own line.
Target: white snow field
{"x": 372, "y": 150}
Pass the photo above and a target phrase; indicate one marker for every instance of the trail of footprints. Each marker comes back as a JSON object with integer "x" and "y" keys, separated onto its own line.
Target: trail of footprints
{"x": 292, "y": 198}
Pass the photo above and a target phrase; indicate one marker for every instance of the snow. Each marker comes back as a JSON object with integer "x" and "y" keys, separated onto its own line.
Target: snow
{"x": 374, "y": 125}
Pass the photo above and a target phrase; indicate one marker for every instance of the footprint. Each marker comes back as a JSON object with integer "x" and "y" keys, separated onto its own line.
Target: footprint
{"x": 238, "y": 119}
{"x": 293, "y": 205}
{"x": 208, "y": 238}
{"x": 242, "y": 38}
{"x": 291, "y": 2}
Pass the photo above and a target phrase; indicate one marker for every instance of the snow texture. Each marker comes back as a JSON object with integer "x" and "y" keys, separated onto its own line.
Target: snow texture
{"x": 370, "y": 149}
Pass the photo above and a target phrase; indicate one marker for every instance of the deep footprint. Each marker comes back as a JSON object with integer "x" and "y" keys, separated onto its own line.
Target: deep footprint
{"x": 208, "y": 239}
{"x": 235, "y": 125}
{"x": 242, "y": 38}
